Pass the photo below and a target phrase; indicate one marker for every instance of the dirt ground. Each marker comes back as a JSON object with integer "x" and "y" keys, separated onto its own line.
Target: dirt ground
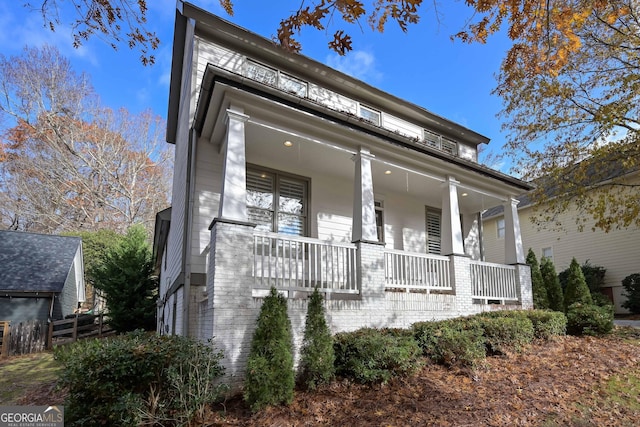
{"x": 568, "y": 382}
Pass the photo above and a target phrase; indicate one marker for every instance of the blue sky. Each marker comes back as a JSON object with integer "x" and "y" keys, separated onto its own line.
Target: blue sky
{"x": 449, "y": 78}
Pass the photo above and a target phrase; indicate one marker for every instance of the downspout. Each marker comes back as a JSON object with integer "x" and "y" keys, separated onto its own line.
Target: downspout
{"x": 188, "y": 235}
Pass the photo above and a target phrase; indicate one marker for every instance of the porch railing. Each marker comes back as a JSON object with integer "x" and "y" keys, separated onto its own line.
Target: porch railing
{"x": 301, "y": 264}
{"x": 408, "y": 270}
{"x": 495, "y": 282}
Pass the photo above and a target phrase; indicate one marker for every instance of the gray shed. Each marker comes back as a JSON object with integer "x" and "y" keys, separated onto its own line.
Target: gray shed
{"x": 41, "y": 276}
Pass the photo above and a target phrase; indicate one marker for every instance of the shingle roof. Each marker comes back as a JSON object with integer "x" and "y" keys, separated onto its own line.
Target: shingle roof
{"x": 35, "y": 262}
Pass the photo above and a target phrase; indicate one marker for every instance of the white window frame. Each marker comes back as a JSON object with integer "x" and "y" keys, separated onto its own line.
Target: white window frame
{"x": 367, "y": 113}
{"x": 547, "y": 253}
{"x": 500, "y": 228}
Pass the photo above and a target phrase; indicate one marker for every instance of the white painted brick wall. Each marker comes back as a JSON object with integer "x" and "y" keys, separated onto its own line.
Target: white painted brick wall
{"x": 232, "y": 311}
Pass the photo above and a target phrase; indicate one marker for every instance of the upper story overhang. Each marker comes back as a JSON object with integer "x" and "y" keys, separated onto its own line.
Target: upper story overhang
{"x": 191, "y": 20}
{"x": 216, "y": 86}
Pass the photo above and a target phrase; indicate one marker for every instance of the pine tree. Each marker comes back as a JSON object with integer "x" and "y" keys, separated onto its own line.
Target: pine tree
{"x": 126, "y": 278}
{"x": 317, "y": 354}
{"x": 552, "y": 284}
{"x": 577, "y": 290}
{"x": 270, "y": 379}
{"x": 537, "y": 284}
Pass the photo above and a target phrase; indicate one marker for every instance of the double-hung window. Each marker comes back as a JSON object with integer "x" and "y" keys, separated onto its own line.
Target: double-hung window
{"x": 277, "y": 202}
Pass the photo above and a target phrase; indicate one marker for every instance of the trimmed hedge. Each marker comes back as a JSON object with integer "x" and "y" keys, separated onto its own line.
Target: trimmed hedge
{"x": 375, "y": 356}
{"x": 546, "y": 324}
{"x": 505, "y": 334}
{"x": 454, "y": 343}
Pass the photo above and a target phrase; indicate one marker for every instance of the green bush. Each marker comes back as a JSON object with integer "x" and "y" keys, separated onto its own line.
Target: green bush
{"x": 455, "y": 342}
{"x": 317, "y": 356}
{"x": 131, "y": 379}
{"x": 594, "y": 278}
{"x": 504, "y": 334}
{"x": 372, "y": 356}
{"x": 537, "y": 283}
{"x": 552, "y": 285}
{"x": 547, "y": 324}
{"x": 589, "y": 319}
{"x": 270, "y": 379}
{"x": 576, "y": 290}
{"x": 631, "y": 286}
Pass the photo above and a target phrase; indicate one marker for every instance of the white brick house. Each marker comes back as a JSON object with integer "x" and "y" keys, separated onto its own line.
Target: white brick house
{"x": 291, "y": 174}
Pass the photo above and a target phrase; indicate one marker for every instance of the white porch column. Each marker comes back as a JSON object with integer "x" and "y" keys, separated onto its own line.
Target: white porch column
{"x": 452, "y": 243}
{"x": 364, "y": 211}
{"x": 513, "y": 250}
{"x": 233, "y": 199}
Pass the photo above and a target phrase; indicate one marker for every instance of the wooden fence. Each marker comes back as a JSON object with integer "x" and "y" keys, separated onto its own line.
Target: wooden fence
{"x": 34, "y": 335}
{"x": 70, "y": 330}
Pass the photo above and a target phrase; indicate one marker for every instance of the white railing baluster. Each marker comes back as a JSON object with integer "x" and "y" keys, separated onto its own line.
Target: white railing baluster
{"x": 301, "y": 264}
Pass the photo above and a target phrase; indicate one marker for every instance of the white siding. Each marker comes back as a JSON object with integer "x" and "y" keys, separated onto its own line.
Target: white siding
{"x": 208, "y": 184}
{"x": 401, "y": 126}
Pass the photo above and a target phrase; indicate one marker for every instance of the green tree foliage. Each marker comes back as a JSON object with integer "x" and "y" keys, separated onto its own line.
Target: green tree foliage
{"x": 552, "y": 285}
{"x": 317, "y": 356}
{"x": 577, "y": 290}
{"x": 537, "y": 284}
{"x": 594, "y": 277}
{"x": 270, "y": 378}
{"x": 126, "y": 278}
{"x": 95, "y": 247}
{"x": 631, "y": 286}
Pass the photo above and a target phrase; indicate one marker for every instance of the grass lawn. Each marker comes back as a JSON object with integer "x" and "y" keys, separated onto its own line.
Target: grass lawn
{"x": 22, "y": 375}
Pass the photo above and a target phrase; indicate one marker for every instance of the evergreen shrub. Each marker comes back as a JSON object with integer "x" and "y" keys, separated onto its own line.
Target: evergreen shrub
{"x": 631, "y": 286}
{"x": 504, "y": 334}
{"x": 589, "y": 319}
{"x": 456, "y": 342}
{"x": 270, "y": 379}
{"x": 551, "y": 281}
{"x": 576, "y": 290}
{"x": 317, "y": 356}
{"x": 375, "y": 356}
{"x": 133, "y": 379}
{"x": 537, "y": 283}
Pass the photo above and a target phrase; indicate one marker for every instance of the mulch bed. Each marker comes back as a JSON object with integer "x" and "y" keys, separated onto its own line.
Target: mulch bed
{"x": 558, "y": 383}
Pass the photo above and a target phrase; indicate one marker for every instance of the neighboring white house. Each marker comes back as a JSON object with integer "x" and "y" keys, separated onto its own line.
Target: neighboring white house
{"x": 291, "y": 174}
{"x": 617, "y": 251}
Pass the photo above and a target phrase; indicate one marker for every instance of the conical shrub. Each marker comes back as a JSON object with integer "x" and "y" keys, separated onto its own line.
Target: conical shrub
{"x": 552, "y": 284}
{"x": 577, "y": 290}
{"x": 317, "y": 354}
{"x": 537, "y": 284}
{"x": 270, "y": 378}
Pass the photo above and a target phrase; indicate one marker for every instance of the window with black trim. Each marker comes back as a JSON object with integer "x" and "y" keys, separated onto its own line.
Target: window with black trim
{"x": 277, "y": 202}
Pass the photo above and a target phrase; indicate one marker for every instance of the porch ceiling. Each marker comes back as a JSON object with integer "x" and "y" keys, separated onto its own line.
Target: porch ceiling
{"x": 322, "y": 146}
